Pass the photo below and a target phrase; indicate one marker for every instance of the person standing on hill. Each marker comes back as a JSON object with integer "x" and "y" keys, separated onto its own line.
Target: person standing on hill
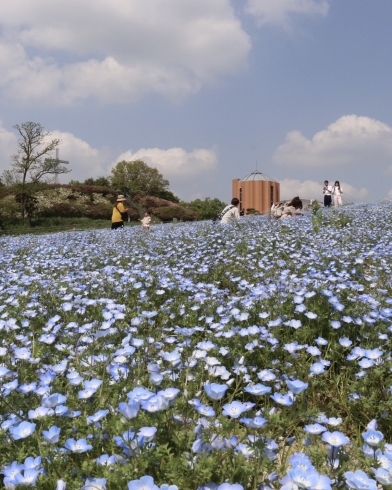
{"x": 230, "y": 213}
{"x": 119, "y": 213}
{"x": 327, "y": 191}
{"x": 337, "y": 194}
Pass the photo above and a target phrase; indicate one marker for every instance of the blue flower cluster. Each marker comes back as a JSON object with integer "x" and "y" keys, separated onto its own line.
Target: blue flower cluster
{"x": 256, "y": 355}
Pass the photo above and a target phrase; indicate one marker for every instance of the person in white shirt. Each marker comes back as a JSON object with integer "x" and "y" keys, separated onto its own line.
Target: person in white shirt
{"x": 146, "y": 221}
{"x": 337, "y": 194}
{"x": 230, "y": 213}
{"x": 290, "y": 209}
{"x": 327, "y": 191}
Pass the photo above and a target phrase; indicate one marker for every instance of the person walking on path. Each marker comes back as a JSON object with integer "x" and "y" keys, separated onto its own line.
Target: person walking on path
{"x": 119, "y": 213}
{"x": 146, "y": 221}
{"x": 231, "y": 212}
{"x": 327, "y": 191}
{"x": 337, "y": 194}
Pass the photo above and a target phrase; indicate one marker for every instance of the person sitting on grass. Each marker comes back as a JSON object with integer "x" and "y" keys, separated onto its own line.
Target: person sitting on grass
{"x": 290, "y": 209}
{"x": 231, "y": 212}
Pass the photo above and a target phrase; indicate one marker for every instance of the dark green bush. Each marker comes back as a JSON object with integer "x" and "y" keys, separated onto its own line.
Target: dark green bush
{"x": 167, "y": 213}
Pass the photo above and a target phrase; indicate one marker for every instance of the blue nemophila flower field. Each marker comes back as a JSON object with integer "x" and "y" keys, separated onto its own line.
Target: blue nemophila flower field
{"x": 256, "y": 355}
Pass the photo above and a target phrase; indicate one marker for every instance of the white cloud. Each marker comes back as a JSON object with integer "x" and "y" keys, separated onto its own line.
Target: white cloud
{"x": 175, "y": 162}
{"x": 84, "y": 160}
{"x": 63, "y": 52}
{"x": 280, "y": 11}
{"x": 181, "y": 168}
{"x": 351, "y": 140}
{"x": 309, "y": 189}
{"x": 8, "y": 143}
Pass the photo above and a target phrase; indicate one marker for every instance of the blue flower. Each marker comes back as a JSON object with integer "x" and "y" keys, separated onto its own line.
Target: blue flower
{"x": 230, "y": 486}
{"x": 155, "y": 404}
{"x": 345, "y": 342}
{"x": 22, "y": 430}
{"x": 79, "y": 446}
{"x": 383, "y": 476}
{"x": 28, "y": 478}
{"x": 372, "y": 437}
{"x": 53, "y": 400}
{"x": 95, "y": 484}
{"x": 129, "y": 410}
{"x": 255, "y": 423}
{"x": 147, "y": 434}
{"x": 303, "y": 478}
{"x": 285, "y": 400}
{"x": 40, "y": 412}
{"x": 34, "y": 463}
{"x": 366, "y": 363}
{"x": 97, "y": 416}
{"x": 296, "y": 386}
{"x": 174, "y": 358}
{"x": 145, "y": 483}
{"x": 313, "y": 351}
{"x": 314, "y": 429}
{"x": 86, "y": 393}
{"x": 170, "y": 393}
{"x": 324, "y": 483}
{"x": 257, "y": 389}
{"x": 335, "y": 439}
{"x": 215, "y": 391}
{"x": 52, "y": 435}
{"x": 317, "y": 368}
{"x": 12, "y": 470}
{"x": 234, "y": 409}
{"x": 266, "y": 375}
{"x": 205, "y": 410}
{"x": 359, "y": 480}
{"x": 106, "y": 460}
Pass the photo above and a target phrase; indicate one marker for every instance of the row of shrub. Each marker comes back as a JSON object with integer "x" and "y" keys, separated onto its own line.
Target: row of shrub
{"x": 93, "y": 202}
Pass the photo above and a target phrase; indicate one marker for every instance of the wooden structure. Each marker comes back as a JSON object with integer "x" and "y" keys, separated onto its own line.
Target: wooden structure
{"x": 256, "y": 192}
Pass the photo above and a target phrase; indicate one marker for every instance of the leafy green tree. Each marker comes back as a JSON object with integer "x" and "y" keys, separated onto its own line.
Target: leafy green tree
{"x": 138, "y": 178}
{"x": 99, "y": 182}
{"x": 32, "y": 164}
{"x": 206, "y": 208}
{"x": 168, "y": 195}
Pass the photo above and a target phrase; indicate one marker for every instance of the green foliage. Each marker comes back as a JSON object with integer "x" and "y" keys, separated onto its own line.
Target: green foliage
{"x": 167, "y": 213}
{"x": 333, "y": 218}
{"x": 338, "y": 219}
{"x": 315, "y": 208}
{"x": 99, "y": 182}
{"x": 317, "y": 220}
{"x": 167, "y": 195}
{"x": 137, "y": 177}
{"x": 205, "y": 208}
{"x": 252, "y": 211}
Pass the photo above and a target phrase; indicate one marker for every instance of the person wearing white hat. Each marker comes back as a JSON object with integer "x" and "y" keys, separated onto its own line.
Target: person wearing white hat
{"x": 119, "y": 213}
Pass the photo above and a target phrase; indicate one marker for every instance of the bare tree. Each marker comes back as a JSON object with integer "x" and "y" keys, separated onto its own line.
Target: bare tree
{"x": 33, "y": 163}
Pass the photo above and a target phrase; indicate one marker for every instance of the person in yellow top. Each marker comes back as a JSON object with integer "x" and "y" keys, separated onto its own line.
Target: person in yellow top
{"x": 118, "y": 212}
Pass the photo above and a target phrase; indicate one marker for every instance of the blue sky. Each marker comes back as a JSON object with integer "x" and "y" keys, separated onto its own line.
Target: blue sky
{"x": 204, "y": 89}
